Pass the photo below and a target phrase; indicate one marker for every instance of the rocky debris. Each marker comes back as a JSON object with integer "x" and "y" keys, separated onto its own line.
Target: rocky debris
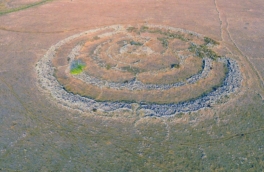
{"x": 207, "y": 65}
{"x": 48, "y": 83}
{"x": 231, "y": 83}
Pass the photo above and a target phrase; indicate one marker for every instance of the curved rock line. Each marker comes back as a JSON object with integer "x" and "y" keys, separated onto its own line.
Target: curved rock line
{"x": 231, "y": 83}
{"x": 133, "y": 84}
{"x": 48, "y": 83}
{"x": 138, "y": 85}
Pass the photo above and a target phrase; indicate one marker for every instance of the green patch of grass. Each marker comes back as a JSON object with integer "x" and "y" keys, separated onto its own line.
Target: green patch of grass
{"x": 77, "y": 70}
{"x": 175, "y": 66}
{"x": 169, "y": 35}
{"x": 175, "y": 35}
{"x": 132, "y": 29}
{"x": 203, "y": 51}
{"x": 210, "y": 41}
{"x": 132, "y": 70}
{"x": 108, "y": 66}
{"x": 136, "y": 43}
{"x": 155, "y": 31}
{"x": 77, "y": 67}
{"x": 143, "y": 28}
{"x": 23, "y": 7}
{"x": 164, "y": 42}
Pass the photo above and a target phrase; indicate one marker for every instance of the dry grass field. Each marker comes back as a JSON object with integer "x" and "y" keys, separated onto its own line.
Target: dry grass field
{"x": 39, "y": 133}
{"x": 9, "y": 6}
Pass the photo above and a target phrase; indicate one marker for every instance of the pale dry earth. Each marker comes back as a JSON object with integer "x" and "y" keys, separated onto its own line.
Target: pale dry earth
{"x": 38, "y": 135}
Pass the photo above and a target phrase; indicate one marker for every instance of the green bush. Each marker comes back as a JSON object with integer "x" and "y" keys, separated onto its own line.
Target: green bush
{"x": 77, "y": 67}
{"x": 143, "y": 28}
{"x": 136, "y": 43}
{"x": 108, "y": 66}
{"x": 203, "y": 51}
{"x": 164, "y": 42}
{"x": 132, "y": 29}
{"x": 210, "y": 41}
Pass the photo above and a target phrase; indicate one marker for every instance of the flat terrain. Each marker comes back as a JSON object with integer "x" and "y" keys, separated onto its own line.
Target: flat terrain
{"x": 37, "y": 134}
{"x": 9, "y": 6}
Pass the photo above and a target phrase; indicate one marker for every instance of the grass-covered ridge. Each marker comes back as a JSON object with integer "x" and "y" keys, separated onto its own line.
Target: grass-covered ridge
{"x": 203, "y": 51}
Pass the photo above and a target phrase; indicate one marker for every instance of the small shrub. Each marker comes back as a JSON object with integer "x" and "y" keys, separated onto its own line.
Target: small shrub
{"x": 108, "y": 66}
{"x": 210, "y": 41}
{"x": 77, "y": 67}
{"x": 203, "y": 51}
{"x": 164, "y": 42}
{"x": 133, "y": 70}
{"x": 136, "y": 43}
{"x": 143, "y": 28}
{"x": 131, "y": 29}
{"x": 175, "y": 65}
{"x": 175, "y": 35}
{"x": 155, "y": 31}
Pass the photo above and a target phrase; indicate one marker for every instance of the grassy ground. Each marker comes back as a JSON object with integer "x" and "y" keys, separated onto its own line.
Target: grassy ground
{"x": 4, "y": 10}
{"x": 38, "y": 135}
{"x": 231, "y": 139}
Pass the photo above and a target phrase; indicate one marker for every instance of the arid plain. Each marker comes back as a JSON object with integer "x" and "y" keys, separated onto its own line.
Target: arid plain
{"x": 40, "y": 133}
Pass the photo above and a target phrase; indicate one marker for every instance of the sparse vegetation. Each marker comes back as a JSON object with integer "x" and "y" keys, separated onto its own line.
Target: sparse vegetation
{"x": 164, "y": 41}
{"x": 169, "y": 34}
{"x": 108, "y": 66}
{"x": 136, "y": 43}
{"x": 143, "y": 28}
{"x": 203, "y": 51}
{"x": 132, "y": 29}
{"x": 155, "y": 31}
{"x": 175, "y": 65}
{"x": 210, "y": 41}
{"x": 174, "y": 35}
{"x": 133, "y": 70}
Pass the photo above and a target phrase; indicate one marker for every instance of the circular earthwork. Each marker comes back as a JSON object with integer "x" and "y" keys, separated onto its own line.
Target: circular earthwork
{"x": 164, "y": 70}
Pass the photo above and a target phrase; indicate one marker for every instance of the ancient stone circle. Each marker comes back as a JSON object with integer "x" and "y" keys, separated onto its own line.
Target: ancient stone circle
{"x": 163, "y": 70}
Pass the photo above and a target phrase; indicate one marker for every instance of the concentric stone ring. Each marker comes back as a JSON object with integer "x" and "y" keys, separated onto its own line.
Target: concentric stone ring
{"x": 164, "y": 70}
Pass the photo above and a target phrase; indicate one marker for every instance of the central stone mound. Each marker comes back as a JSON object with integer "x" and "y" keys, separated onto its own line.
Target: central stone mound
{"x": 164, "y": 70}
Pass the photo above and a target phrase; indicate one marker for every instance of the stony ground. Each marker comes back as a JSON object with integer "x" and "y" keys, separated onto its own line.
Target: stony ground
{"x": 38, "y": 135}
